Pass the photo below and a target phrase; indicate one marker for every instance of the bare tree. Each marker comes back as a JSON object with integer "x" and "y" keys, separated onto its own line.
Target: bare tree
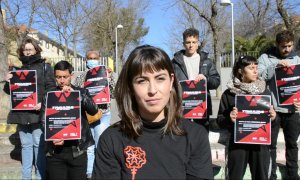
{"x": 3, "y": 68}
{"x": 100, "y": 32}
{"x": 283, "y": 8}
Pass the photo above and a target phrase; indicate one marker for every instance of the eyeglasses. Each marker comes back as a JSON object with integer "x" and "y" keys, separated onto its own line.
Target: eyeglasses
{"x": 29, "y": 50}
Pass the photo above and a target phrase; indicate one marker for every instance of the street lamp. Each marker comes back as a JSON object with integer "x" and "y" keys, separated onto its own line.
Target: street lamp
{"x": 227, "y": 3}
{"x": 120, "y": 26}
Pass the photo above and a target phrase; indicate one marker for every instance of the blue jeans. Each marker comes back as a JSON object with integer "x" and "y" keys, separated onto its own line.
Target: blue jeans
{"x": 97, "y": 129}
{"x": 32, "y": 143}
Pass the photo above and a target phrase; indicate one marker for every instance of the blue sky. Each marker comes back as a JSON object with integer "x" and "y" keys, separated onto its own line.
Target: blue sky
{"x": 159, "y": 19}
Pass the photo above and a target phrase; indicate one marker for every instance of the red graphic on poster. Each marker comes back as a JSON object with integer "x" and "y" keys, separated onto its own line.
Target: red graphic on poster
{"x": 194, "y": 99}
{"x": 135, "y": 159}
{"x": 63, "y": 115}
{"x": 97, "y": 84}
{"x": 23, "y": 90}
{"x": 253, "y": 123}
{"x": 288, "y": 84}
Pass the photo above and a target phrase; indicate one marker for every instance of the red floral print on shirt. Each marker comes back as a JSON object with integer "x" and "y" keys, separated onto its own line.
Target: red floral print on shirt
{"x": 135, "y": 159}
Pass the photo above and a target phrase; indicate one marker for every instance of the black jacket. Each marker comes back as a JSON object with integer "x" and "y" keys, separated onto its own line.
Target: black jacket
{"x": 81, "y": 145}
{"x": 45, "y": 82}
{"x": 207, "y": 68}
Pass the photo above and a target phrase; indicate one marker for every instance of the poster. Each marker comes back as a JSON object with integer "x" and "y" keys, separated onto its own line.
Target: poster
{"x": 288, "y": 84}
{"x": 253, "y": 123}
{"x": 62, "y": 115}
{"x": 23, "y": 90}
{"x": 97, "y": 84}
{"x": 194, "y": 99}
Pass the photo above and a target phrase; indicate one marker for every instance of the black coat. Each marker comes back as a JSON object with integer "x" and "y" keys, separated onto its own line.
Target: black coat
{"x": 80, "y": 145}
{"x": 45, "y": 82}
{"x": 207, "y": 68}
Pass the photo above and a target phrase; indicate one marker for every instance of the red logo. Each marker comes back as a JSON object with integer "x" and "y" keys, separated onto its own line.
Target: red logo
{"x": 289, "y": 70}
{"x": 62, "y": 96}
{"x": 252, "y": 100}
{"x": 135, "y": 159}
{"x": 22, "y": 74}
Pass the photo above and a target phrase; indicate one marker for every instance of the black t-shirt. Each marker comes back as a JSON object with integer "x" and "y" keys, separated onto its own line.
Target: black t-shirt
{"x": 153, "y": 156}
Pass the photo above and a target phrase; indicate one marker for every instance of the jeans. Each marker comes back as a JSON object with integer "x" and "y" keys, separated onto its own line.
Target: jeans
{"x": 97, "y": 129}
{"x": 32, "y": 143}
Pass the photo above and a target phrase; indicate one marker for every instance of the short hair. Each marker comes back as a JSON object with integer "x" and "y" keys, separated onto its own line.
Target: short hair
{"x": 190, "y": 32}
{"x": 150, "y": 59}
{"x": 240, "y": 64}
{"x": 37, "y": 48}
{"x": 285, "y": 36}
{"x": 92, "y": 52}
{"x": 63, "y": 65}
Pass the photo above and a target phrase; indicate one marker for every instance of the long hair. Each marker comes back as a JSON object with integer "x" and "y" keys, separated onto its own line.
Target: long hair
{"x": 145, "y": 59}
{"x": 37, "y": 48}
{"x": 240, "y": 65}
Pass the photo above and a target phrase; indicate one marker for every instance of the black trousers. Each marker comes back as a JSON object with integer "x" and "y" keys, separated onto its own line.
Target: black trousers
{"x": 257, "y": 156}
{"x": 290, "y": 126}
{"x": 63, "y": 166}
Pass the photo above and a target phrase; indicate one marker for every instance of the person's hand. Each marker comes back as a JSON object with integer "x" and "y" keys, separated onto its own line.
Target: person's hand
{"x": 58, "y": 142}
{"x": 67, "y": 89}
{"x": 284, "y": 63}
{"x": 200, "y": 77}
{"x": 109, "y": 72}
{"x": 297, "y": 104}
{"x": 38, "y": 107}
{"x": 233, "y": 114}
{"x": 272, "y": 113}
{"x": 8, "y": 76}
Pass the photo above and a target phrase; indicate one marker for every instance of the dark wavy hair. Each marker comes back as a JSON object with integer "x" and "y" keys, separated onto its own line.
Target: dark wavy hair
{"x": 240, "y": 65}
{"x": 150, "y": 59}
{"x": 37, "y": 48}
{"x": 285, "y": 36}
{"x": 190, "y": 32}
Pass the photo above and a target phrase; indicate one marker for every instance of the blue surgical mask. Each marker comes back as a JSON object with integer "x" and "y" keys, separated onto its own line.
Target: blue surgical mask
{"x": 91, "y": 63}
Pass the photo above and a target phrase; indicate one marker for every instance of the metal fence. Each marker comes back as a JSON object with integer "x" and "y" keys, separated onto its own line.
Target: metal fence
{"x": 225, "y": 58}
{"x": 79, "y": 64}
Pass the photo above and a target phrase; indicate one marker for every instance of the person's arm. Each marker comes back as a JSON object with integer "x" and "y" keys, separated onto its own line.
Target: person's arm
{"x": 266, "y": 67}
{"x": 88, "y": 103}
{"x": 223, "y": 117}
{"x": 106, "y": 165}
{"x": 50, "y": 83}
{"x": 199, "y": 165}
{"x": 213, "y": 77}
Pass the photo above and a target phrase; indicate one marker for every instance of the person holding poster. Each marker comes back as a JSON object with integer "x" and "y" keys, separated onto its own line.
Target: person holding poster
{"x": 151, "y": 141}
{"x": 190, "y": 64}
{"x": 67, "y": 159}
{"x": 244, "y": 82}
{"x": 29, "y": 125}
{"x": 282, "y": 56}
{"x": 93, "y": 60}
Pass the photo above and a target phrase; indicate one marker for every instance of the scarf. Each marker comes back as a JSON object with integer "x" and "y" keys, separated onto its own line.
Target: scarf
{"x": 237, "y": 87}
{"x": 28, "y": 60}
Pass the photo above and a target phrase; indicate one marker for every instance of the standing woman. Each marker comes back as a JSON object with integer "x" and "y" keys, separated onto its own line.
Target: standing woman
{"x": 29, "y": 126}
{"x": 151, "y": 141}
{"x": 244, "y": 82}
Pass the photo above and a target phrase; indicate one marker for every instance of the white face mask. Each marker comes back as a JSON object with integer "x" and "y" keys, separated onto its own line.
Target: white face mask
{"x": 91, "y": 63}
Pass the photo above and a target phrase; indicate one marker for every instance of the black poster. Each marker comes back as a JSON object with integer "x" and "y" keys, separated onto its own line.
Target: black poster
{"x": 194, "y": 99}
{"x": 97, "y": 84}
{"x": 63, "y": 117}
{"x": 23, "y": 90}
{"x": 288, "y": 84}
{"x": 253, "y": 123}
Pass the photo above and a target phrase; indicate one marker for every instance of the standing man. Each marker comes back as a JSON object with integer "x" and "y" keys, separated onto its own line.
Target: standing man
{"x": 282, "y": 55}
{"x": 189, "y": 64}
{"x": 67, "y": 159}
{"x": 97, "y": 128}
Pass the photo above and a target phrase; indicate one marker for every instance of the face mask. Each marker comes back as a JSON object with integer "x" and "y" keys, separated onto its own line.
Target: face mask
{"x": 91, "y": 63}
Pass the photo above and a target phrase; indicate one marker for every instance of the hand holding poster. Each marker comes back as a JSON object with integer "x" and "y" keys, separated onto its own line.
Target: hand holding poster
{"x": 23, "y": 90}
{"x": 97, "y": 84}
{"x": 63, "y": 115}
{"x": 194, "y": 99}
{"x": 253, "y": 123}
{"x": 288, "y": 84}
